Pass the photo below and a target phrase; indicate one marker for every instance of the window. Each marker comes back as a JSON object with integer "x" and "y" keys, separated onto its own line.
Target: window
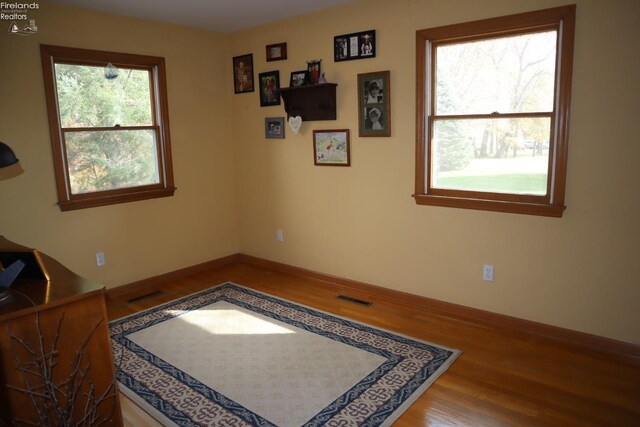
{"x": 109, "y": 126}
{"x": 493, "y": 113}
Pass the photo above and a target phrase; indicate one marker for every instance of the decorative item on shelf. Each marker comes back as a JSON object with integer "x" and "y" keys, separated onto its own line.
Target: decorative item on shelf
{"x": 322, "y": 79}
{"x": 110, "y": 72}
{"x": 299, "y": 78}
{"x": 374, "y": 105}
{"x": 243, "y": 73}
{"x": 352, "y": 46}
{"x": 276, "y": 52}
{"x": 314, "y": 70}
{"x": 295, "y": 123}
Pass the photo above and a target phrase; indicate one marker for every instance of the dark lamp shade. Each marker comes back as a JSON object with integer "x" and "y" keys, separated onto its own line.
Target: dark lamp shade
{"x": 7, "y": 156}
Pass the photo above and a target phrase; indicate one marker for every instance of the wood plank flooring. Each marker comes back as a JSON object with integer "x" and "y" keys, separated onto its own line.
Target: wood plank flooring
{"x": 503, "y": 377}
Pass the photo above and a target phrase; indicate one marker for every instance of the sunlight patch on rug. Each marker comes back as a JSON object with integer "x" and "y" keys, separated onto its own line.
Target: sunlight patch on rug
{"x": 237, "y": 356}
{"x": 284, "y": 373}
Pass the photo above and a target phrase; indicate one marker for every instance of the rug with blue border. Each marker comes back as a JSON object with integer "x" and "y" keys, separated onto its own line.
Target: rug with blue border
{"x": 233, "y": 356}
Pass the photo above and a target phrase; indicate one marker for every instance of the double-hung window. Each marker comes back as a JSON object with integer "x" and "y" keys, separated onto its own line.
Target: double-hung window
{"x": 109, "y": 126}
{"x": 493, "y": 113}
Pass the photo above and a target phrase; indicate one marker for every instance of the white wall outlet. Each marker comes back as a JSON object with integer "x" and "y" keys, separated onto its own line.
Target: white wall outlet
{"x": 279, "y": 236}
{"x": 487, "y": 273}
{"x": 100, "y": 261}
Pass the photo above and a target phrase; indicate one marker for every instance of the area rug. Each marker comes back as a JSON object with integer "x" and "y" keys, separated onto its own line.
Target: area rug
{"x": 233, "y": 356}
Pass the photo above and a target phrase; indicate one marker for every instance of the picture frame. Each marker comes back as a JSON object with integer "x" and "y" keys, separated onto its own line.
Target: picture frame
{"x": 374, "y": 104}
{"x": 243, "y": 73}
{"x": 314, "y": 68}
{"x": 276, "y": 52}
{"x": 331, "y": 147}
{"x": 269, "y": 83}
{"x": 299, "y": 78}
{"x": 274, "y": 127}
{"x": 348, "y": 47}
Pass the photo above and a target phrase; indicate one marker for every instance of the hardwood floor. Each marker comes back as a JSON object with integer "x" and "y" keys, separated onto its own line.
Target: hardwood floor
{"x": 504, "y": 377}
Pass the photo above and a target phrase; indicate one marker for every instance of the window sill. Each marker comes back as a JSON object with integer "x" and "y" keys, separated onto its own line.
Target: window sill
{"x": 491, "y": 205}
{"x": 69, "y": 205}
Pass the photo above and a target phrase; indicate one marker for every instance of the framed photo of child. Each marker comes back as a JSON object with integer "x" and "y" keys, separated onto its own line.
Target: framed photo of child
{"x": 243, "y": 73}
{"x": 374, "y": 104}
{"x": 269, "y": 88}
{"x": 274, "y": 127}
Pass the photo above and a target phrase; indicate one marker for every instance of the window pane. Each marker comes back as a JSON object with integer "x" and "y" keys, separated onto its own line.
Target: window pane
{"x": 506, "y": 75}
{"x": 87, "y": 99}
{"x": 493, "y": 155}
{"x": 108, "y": 160}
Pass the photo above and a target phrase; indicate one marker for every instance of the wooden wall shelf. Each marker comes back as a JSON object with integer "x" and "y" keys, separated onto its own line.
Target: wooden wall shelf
{"x": 311, "y": 102}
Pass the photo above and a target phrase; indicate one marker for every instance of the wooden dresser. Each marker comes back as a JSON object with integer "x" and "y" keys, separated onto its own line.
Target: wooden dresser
{"x": 81, "y": 306}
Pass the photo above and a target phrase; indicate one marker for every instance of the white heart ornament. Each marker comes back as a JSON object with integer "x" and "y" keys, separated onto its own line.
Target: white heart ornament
{"x": 295, "y": 123}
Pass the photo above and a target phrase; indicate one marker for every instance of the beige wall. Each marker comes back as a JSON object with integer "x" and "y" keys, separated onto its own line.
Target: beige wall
{"x": 140, "y": 239}
{"x": 580, "y": 272}
{"x": 235, "y": 188}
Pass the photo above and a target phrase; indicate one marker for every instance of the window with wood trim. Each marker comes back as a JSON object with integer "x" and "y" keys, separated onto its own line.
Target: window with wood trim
{"x": 109, "y": 124}
{"x": 493, "y": 113}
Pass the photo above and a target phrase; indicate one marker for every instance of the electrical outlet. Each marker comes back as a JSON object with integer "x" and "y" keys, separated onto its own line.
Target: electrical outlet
{"x": 279, "y": 236}
{"x": 487, "y": 273}
{"x": 100, "y": 261}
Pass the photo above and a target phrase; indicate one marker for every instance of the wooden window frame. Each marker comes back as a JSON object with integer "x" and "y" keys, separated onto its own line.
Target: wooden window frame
{"x": 52, "y": 55}
{"x": 551, "y": 204}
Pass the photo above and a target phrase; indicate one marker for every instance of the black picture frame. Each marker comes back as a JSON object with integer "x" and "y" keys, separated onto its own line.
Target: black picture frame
{"x": 269, "y": 83}
{"x": 374, "y": 104}
{"x": 274, "y": 127}
{"x": 331, "y": 147}
{"x": 243, "y": 73}
{"x": 299, "y": 78}
{"x": 348, "y": 47}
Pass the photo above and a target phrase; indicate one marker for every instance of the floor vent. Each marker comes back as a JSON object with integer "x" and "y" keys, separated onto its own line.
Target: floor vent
{"x": 145, "y": 296}
{"x": 354, "y": 300}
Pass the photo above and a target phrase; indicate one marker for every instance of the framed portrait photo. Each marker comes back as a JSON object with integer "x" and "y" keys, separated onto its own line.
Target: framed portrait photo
{"x": 348, "y": 47}
{"x": 269, "y": 88}
{"x": 276, "y": 52}
{"x": 374, "y": 104}
{"x": 274, "y": 127}
{"x": 331, "y": 147}
{"x": 243, "y": 73}
{"x": 299, "y": 78}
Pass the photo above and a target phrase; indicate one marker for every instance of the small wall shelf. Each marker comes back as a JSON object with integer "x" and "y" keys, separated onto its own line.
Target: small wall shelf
{"x": 311, "y": 102}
